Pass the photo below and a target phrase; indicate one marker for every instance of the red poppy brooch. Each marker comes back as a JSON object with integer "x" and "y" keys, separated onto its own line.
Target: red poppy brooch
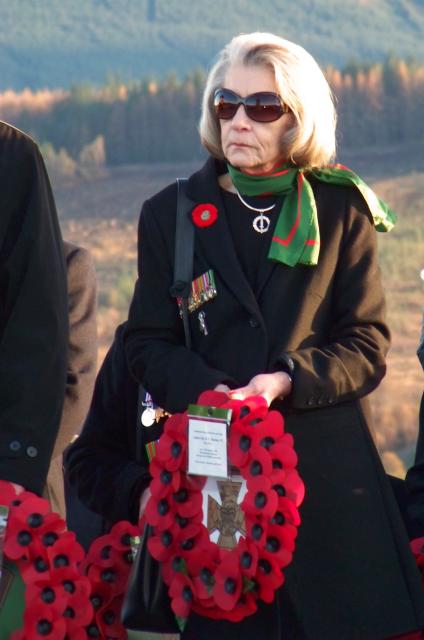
{"x": 202, "y": 575}
{"x": 204, "y": 215}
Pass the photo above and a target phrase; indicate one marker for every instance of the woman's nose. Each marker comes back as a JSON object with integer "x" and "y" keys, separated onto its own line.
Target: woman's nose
{"x": 240, "y": 119}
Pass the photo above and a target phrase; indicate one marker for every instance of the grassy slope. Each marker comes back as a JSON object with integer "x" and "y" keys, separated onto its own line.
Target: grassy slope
{"x": 58, "y": 42}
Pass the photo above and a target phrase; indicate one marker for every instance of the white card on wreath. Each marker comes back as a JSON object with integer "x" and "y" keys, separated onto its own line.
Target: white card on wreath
{"x": 207, "y": 441}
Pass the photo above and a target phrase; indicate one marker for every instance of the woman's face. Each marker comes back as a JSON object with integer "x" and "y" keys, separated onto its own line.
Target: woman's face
{"x": 253, "y": 147}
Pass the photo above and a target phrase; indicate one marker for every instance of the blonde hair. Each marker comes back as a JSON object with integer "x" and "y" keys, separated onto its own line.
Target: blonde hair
{"x": 311, "y": 142}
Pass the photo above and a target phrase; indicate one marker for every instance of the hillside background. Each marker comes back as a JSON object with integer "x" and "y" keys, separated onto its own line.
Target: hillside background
{"x": 57, "y": 43}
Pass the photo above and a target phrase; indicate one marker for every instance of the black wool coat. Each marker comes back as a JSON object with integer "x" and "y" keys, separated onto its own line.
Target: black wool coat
{"x": 33, "y": 313}
{"x": 352, "y": 576}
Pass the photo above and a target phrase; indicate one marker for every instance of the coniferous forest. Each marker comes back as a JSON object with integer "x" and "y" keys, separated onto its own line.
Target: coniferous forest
{"x": 156, "y": 121}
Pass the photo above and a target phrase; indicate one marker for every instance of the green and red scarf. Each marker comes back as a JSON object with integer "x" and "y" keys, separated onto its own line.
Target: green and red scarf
{"x": 296, "y": 237}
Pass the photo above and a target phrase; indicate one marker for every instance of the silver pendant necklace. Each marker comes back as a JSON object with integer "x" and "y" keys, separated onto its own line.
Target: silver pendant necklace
{"x": 260, "y": 223}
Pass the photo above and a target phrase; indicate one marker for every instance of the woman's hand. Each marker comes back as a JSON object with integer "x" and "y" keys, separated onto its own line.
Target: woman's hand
{"x": 268, "y": 385}
{"x": 223, "y": 388}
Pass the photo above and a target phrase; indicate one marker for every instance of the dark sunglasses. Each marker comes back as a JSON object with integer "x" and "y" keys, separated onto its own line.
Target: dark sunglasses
{"x": 263, "y": 106}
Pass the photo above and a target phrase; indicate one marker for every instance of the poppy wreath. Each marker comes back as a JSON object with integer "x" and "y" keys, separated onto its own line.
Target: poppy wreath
{"x": 69, "y": 595}
{"x": 202, "y": 577}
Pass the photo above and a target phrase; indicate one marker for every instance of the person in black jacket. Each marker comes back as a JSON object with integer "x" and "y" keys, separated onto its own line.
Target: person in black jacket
{"x": 33, "y": 313}
{"x": 103, "y": 464}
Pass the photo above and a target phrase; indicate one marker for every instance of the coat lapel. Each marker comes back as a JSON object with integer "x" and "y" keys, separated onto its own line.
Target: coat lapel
{"x": 215, "y": 240}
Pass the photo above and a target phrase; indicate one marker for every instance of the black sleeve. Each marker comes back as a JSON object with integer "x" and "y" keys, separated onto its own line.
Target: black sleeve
{"x": 33, "y": 313}
{"x": 101, "y": 464}
{"x": 352, "y": 363}
{"x": 157, "y": 357}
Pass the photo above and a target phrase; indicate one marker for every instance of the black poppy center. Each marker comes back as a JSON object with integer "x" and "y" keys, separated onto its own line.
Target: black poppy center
{"x": 230, "y": 586}
{"x": 206, "y": 576}
{"x": 257, "y": 531}
{"x": 244, "y": 411}
{"x": 246, "y": 559}
{"x": 245, "y": 443}
{"x": 96, "y": 601}
{"x": 69, "y": 612}
{"x": 182, "y": 522}
{"x": 166, "y": 538}
{"x": 24, "y": 538}
{"x": 34, "y": 520}
{"x": 272, "y": 544}
{"x": 69, "y": 586}
{"x": 108, "y": 575}
{"x": 109, "y": 617}
{"x": 276, "y": 464}
{"x": 267, "y": 442}
{"x": 281, "y": 492}
{"x": 40, "y": 565}
{"x": 163, "y": 507}
{"x": 181, "y": 496}
{"x": 187, "y": 594}
{"x": 44, "y": 627}
{"x": 187, "y": 545}
{"x": 278, "y": 518}
{"x": 165, "y": 476}
{"x": 126, "y": 539}
{"x": 105, "y": 552}
{"x": 93, "y": 631}
{"x": 175, "y": 449}
{"x": 61, "y": 561}
{"x": 177, "y": 563}
{"x": 255, "y": 468}
{"x": 48, "y": 595}
{"x": 260, "y": 500}
{"x": 265, "y": 566}
{"x": 49, "y": 538}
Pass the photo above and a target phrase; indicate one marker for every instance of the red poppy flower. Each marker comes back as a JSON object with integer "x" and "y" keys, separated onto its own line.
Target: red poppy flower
{"x": 201, "y": 566}
{"x": 35, "y": 569}
{"x": 260, "y": 463}
{"x": 248, "y": 557}
{"x": 163, "y": 481}
{"x": 279, "y": 543}
{"x": 250, "y": 410}
{"x": 172, "y": 447}
{"x": 65, "y": 552}
{"x": 161, "y": 513}
{"x": 181, "y": 592}
{"x": 240, "y": 444}
{"x": 115, "y": 579}
{"x": 108, "y": 619}
{"x": 193, "y": 537}
{"x": 41, "y": 621}
{"x": 260, "y": 500}
{"x": 286, "y": 513}
{"x": 187, "y": 503}
{"x": 101, "y": 595}
{"x": 46, "y": 593}
{"x": 283, "y": 456}
{"x": 74, "y": 629}
{"x": 121, "y": 534}
{"x": 99, "y": 552}
{"x": 268, "y": 578}
{"x": 268, "y": 431}
{"x": 228, "y": 582}
{"x": 204, "y": 215}
{"x": 288, "y": 484}
{"x": 160, "y": 545}
{"x": 256, "y": 528}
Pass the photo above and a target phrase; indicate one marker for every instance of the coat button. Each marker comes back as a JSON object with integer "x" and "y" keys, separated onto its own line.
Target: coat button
{"x": 15, "y": 445}
{"x": 331, "y": 401}
{"x": 254, "y": 323}
{"x": 320, "y": 401}
{"x": 32, "y": 452}
{"x": 310, "y": 402}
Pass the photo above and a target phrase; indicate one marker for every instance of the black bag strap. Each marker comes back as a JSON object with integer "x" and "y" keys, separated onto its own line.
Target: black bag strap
{"x": 184, "y": 250}
{"x": 183, "y": 275}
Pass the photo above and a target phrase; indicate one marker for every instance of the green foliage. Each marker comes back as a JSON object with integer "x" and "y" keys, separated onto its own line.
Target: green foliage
{"x": 63, "y": 42}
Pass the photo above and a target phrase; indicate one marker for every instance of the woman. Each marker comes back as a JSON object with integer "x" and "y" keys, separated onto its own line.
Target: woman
{"x": 285, "y": 252}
